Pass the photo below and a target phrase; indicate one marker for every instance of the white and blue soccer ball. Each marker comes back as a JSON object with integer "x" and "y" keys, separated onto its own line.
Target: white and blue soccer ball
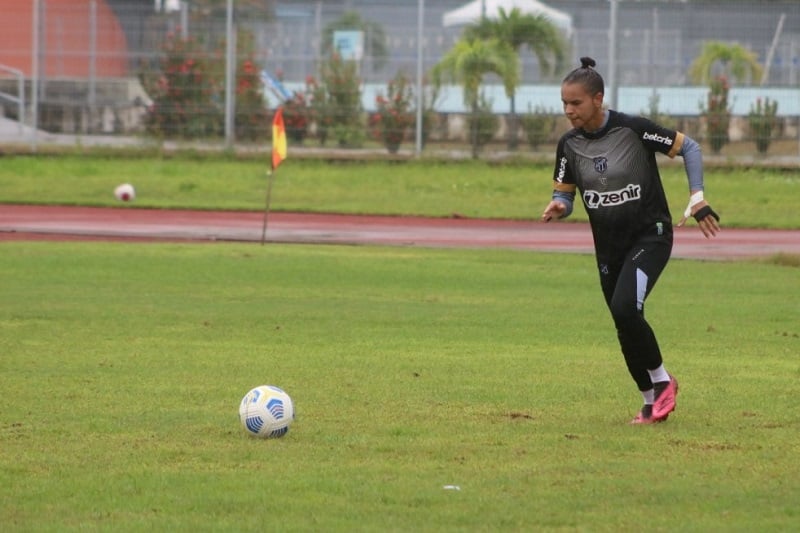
{"x": 266, "y": 412}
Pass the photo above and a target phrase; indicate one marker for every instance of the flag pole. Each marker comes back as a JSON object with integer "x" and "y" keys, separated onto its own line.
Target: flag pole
{"x": 278, "y": 155}
{"x": 270, "y": 179}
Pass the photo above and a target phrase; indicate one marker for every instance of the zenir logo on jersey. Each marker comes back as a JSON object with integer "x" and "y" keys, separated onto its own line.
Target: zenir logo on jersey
{"x": 595, "y": 199}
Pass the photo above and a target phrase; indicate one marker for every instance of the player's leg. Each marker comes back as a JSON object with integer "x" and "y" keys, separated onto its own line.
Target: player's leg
{"x": 650, "y": 264}
{"x": 637, "y": 277}
{"x": 610, "y": 279}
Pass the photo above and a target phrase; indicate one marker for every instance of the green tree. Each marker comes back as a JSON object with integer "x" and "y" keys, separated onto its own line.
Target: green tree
{"x": 468, "y": 62}
{"x": 762, "y": 121}
{"x": 343, "y": 101}
{"x": 374, "y": 37}
{"x": 519, "y": 30}
{"x": 716, "y": 65}
{"x": 733, "y": 60}
{"x": 717, "y": 113}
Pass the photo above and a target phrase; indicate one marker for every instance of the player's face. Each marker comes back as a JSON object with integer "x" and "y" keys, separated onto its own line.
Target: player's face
{"x": 583, "y": 110}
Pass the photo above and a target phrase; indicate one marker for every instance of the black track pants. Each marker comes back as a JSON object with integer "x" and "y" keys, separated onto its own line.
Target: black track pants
{"x": 626, "y": 283}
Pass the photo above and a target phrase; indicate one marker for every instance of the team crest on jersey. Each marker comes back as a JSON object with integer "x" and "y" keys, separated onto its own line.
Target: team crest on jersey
{"x": 600, "y": 164}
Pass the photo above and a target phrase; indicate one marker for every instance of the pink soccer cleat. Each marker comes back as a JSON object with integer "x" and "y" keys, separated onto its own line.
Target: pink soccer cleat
{"x": 665, "y": 393}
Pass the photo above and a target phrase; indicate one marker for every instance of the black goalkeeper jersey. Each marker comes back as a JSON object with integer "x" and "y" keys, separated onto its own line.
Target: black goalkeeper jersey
{"x": 615, "y": 171}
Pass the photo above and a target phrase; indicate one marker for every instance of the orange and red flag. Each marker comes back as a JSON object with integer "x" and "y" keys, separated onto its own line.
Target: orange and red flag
{"x": 278, "y": 139}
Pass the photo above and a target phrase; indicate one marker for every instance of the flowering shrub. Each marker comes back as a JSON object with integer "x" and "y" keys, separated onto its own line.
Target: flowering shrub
{"x": 252, "y": 116}
{"x": 390, "y": 123}
{"x": 717, "y": 113}
{"x": 297, "y": 116}
{"x": 183, "y": 92}
{"x": 188, "y": 92}
{"x": 321, "y": 109}
{"x": 762, "y": 121}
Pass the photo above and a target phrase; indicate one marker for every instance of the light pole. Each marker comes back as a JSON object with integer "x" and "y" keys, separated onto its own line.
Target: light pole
{"x": 420, "y": 96}
{"x": 612, "y": 55}
{"x": 35, "y": 76}
{"x": 230, "y": 70}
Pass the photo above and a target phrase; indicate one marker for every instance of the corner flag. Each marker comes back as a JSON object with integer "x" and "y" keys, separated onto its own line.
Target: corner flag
{"x": 278, "y": 139}
{"x": 278, "y": 155}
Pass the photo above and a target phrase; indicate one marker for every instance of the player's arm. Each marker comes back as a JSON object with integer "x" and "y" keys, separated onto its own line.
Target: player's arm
{"x": 561, "y": 204}
{"x": 563, "y": 198}
{"x": 672, "y": 143}
{"x": 707, "y": 219}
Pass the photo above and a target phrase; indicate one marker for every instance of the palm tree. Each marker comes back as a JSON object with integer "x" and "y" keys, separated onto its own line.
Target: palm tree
{"x": 716, "y": 64}
{"x": 735, "y": 60}
{"x": 375, "y": 37}
{"x": 519, "y": 30}
{"x": 466, "y": 64}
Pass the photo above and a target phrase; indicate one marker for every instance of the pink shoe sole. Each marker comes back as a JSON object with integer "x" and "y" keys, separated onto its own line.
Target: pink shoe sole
{"x": 642, "y": 420}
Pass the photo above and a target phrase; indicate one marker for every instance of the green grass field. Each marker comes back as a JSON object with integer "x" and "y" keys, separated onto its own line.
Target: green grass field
{"x": 123, "y": 365}
{"x": 758, "y": 198}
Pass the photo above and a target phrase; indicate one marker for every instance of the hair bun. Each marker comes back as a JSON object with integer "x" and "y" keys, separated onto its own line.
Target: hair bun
{"x": 587, "y": 62}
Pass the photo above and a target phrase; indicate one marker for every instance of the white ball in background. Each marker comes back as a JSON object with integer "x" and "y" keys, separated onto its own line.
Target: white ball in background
{"x": 125, "y": 192}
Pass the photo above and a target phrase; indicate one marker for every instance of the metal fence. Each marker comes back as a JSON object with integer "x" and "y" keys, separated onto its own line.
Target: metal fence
{"x": 83, "y": 63}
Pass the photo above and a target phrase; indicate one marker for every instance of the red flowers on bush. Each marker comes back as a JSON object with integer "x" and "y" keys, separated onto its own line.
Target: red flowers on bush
{"x": 394, "y": 116}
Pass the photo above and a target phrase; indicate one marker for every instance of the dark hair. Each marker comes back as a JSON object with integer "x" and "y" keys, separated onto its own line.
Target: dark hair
{"x": 587, "y": 76}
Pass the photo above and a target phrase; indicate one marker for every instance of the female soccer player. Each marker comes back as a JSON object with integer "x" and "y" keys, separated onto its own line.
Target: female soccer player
{"x": 610, "y": 158}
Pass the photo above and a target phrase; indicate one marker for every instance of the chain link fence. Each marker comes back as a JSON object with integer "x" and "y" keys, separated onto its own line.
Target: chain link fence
{"x": 125, "y": 69}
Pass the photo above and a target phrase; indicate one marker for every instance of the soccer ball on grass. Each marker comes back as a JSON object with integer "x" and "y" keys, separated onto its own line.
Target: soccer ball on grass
{"x": 266, "y": 412}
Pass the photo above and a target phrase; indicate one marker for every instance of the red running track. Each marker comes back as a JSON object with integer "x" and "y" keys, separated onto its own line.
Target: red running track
{"x": 25, "y": 222}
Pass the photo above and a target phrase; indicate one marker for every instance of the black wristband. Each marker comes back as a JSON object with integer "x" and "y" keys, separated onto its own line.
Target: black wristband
{"x": 703, "y": 212}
